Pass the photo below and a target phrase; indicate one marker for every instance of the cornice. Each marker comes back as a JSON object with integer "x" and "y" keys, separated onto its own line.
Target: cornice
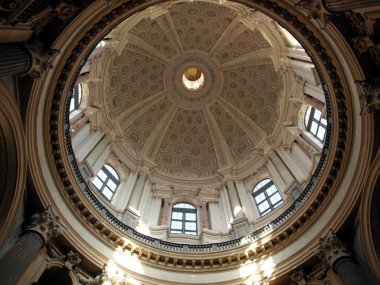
{"x": 271, "y": 238}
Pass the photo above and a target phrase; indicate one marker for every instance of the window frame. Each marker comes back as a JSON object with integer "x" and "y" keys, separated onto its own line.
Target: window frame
{"x": 267, "y": 197}
{"x": 318, "y": 122}
{"x": 183, "y": 220}
{"x": 109, "y": 176}
{"x": 76, "y": 97}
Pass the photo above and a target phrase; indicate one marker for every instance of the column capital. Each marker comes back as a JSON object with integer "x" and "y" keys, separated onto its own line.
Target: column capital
{"x": 45, "y": 224}
{"x": 330, "y": 249}
{"x": 298, "y": 277}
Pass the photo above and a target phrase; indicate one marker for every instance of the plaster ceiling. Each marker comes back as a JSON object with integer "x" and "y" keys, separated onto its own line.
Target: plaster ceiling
{"x": 193, "y": 133}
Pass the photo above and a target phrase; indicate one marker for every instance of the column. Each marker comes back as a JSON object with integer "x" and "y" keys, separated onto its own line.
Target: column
{"x": 334, "y": 254}
{"x": 297, "y": 169}
{"x": 226, "y": 205}
{"x": 96, "y": 152}
{"x": 14, "y": 59}
{"x": 76, "y": 126}
{"x": 87, "y": 144}
{"x": 125, "y": 191}
{"x": 305, "y": 146}
{"x": 216, "y": 224}
{"x": 155, "y": 211}
{"x": 301, "y": 156}
{"x": 237, "y": 210}
{"x": 144, "y": 196}
{"x": 41, "y": 228}
{"x": 146, "y": 210}
{"x": 164, "y": 213}
{"x": 204, "y": 213}
{"x": 314, "y": 102}
{"x": 137, "y": 192}
{"x": 248, "y": 208}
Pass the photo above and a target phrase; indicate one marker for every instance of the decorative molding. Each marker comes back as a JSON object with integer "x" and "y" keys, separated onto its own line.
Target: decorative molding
{"x": 45, "y": 224}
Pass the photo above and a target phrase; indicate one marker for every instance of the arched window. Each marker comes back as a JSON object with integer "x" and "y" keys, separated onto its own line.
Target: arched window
{"x": 266, "y": 196}
{"x": 184, "y": 219}
{"x": 106, "y": 181}
{"x": 76, "y": 98}
{"x": 315, "y": 124}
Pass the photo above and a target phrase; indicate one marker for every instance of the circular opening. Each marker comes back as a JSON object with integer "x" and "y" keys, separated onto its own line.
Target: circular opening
{"x": 193, "y": 78}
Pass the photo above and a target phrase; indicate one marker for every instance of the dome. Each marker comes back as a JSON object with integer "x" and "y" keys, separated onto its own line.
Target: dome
{"x": 197, "y": 100}
{"x": 189, "y": 142}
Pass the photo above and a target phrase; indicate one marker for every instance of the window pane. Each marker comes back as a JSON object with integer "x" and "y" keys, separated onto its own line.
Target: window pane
{"x": 313, "y": 128}
{"x": 176, "y": 225}
{"x": 177, "y": 216}
{"x": 106, "y": 192}
{"x": 272, "y": 189}
{"x": 190, "y": 226}
{"x": 321, "y": 133}
{"x": 112, "y": 171}
{"x": 102, "y": 175}
{"x": 176, "y": 232}
{"x": 191, "y": 233}
{"x": 261, "y": 184}
{"x": 317, "y": 114}
{"x": 278, "y": 204}
{"x": 324, "y": 122}
{"x": 263, "y": 206}
{"x": 111, "y": 185}
{"x": 259, "y": 198}
{"x": 190, "y": 217}
{"x": 98, "y": 183}
{"x": 275, "y": 198}
{"x": 72, "y": 104}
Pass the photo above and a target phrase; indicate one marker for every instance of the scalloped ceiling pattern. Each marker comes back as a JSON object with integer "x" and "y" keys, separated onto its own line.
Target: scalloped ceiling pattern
{"x": 133, "y": 77}
{"x": 199, "y": 25}
{"x": 186, "y": 140}
{"x": 246, "y": 42}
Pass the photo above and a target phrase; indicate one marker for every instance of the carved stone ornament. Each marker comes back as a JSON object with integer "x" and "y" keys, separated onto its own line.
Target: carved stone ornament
{"x": 330, "y": 249}
{"x": 298, "y": 277}
{"x": 42, "y": 59}
{"x": 315, "y": 10}
{"x": 370, "y": 96}
{"x": 45, "y": 224}
{"x": 72, "y": 259}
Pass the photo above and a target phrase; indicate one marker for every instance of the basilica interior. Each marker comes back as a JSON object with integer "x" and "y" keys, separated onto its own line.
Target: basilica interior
{"x": 189, "y": 142}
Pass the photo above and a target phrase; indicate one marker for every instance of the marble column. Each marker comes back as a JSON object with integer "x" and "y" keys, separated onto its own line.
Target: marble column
{"x": 41, "y": 228}
{"x": 305, "y": 146}
{"x": 77, "y": 125}
{"x": 14, "y": 59}
{"x": 309, "y": 100}
{"x": 236, "y": 208}
{"x": 93, "y": 158}
{"x": 144, "y": 196}
{"x": 335, "y": 255}
{"x": 137, "y": 192}
{"x": 155, "y": 211}
{"x": 125, "y": 191}
{"x": 205, "y": 221}
{"x": 164, "y": 213}
{"x": 277, "y": 178}
{"x": 214, "y": 216}
{"x": 248, "y": 208}
{"x": 226, "y": 205}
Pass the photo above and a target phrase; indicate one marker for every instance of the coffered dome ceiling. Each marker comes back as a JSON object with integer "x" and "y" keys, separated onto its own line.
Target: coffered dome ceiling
{"x": 180, "y": 131}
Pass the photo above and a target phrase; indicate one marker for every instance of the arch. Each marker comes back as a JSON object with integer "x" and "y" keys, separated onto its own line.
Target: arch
{"x": 183, "y": 219}
{"x": 266, "y": 196}
{"x": 106, "y": 181}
